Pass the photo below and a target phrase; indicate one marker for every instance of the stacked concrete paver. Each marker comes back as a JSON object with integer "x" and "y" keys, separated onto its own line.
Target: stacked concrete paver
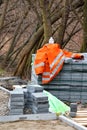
{"x": 16, "y": 102}
{"x": 37, "y": 100}
{"x": 71, "y": 83}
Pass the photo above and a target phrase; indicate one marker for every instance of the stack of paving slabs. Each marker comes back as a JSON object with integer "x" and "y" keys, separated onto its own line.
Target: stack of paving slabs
{"x": 71, "y": 83}
{"x": 40, "y": 103}
{"x": 34, "y": 77}
{"x": 25, "y": 96}
{"x": 16, "y": 102}
{"x": 37, "y": 100}
{"x": 32, "y": 88}
{"x": 73, "y": 109}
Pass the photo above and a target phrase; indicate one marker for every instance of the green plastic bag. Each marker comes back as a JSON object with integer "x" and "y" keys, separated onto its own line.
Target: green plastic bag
{"x": 55, "y": 105}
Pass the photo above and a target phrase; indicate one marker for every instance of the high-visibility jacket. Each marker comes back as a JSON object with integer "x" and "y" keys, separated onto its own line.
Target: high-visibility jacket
{"x": 49, "y": 61}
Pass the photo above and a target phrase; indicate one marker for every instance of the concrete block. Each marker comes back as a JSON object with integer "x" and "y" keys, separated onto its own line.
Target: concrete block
{"x": 16, "y": 111}
{"x": 72, "y": 114}
{"x": 16, "y": 107}
{"x": 17, "y": 99}
{"x": 17, "y": 104}
{"x": 34, "y": 88}
{"x": 41, "y": 106}
{"x": 40, "y": 102}
{"x": 18, "y": 92}
{"x": 73, "y": 107}
{"x": 39, "y": 97}
{"x": 40, "y": 110}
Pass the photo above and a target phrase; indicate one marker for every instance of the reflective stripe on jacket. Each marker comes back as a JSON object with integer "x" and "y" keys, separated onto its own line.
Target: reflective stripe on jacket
{"x": 49, "y": 61}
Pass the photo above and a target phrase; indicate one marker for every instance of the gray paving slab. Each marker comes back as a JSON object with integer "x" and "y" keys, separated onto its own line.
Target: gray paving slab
{"x": 39, "y": 96}
{"x": 34, "y": 88}
{"x": 40, "y": 108}
{"x": 41, "y": 105}
{"x": 41, "y": 102}
{"x": 15, "y": 113}
{"x": 29, "y": 103}
{"x": 17, "y": 95}
{"x": 29, "y": 95}
{"x": 17, "y": 104}
{"x": 17, "y": 90}
{"x": 16, "y": 107}
{"x": 15, "y": 99}
{"x": 20, "y": 110}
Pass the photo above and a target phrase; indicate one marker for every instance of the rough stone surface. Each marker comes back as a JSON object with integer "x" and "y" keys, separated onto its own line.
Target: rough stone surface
{"x": 4, "y": 99}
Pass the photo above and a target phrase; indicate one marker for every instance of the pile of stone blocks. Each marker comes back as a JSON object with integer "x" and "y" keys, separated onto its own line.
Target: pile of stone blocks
{"x": 25, "y": 96}
{"x": 70, "y": 84}
{"x": 31, "y": 99}
{"x": 16, "y": 102}
{"x": 40, "y": 103}
{"x": 37, "y": 100}
{"x": 73, "y": 109}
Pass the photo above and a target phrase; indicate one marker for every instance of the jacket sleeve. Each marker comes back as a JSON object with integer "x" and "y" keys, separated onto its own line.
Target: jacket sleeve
{"x": 73, "y": 55}
{"x": 39, "y": 63}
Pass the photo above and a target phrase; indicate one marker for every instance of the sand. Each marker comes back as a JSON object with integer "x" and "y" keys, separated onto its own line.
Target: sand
{"x": 35, "y": 125}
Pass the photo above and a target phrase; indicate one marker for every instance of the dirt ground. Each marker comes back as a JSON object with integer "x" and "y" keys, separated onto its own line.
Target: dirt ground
{"x": 35, "y": 125}
{"x": 4, "y": 99}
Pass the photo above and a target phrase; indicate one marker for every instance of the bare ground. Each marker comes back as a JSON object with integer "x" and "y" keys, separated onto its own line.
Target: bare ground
{"x": 36, "y": 125}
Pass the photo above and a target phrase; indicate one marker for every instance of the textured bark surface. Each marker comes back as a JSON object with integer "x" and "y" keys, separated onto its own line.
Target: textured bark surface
{"x": 64, "y": 22}
{"x": 44, "y": 4}
{"x": 4, "y": 13}
{"x": 84, "y": 45}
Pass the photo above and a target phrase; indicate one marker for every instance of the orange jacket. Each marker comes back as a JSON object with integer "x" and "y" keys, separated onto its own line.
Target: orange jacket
{"x": 49, "y": 61}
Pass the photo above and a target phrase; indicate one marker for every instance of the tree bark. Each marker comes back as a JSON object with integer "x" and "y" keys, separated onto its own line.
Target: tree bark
{"x": 44, "y": 4}
{"x": 13, "y": 43}
{"x": 64, "y": 22}
{"x": 4, "y": 13}
{"x": 84, "y": 45}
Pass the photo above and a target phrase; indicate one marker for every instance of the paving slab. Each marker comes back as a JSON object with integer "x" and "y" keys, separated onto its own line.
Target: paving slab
{"x": 41, "y": 106}
{"x": 18, "y": 99}
{"x": 20, "y": 110}
{"x": 39, "y": 96}
{"x": 17, "y": 104}
{"x": 34, "y": 88}
{"x": 38, "y": 110}
{"x": 16, "y": 107}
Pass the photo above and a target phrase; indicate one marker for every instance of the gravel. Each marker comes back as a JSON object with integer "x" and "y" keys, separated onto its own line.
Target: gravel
{"x": 4, "y": 99}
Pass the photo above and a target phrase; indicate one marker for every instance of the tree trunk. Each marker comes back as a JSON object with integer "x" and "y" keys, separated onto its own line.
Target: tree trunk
{"x": 4, "y": 13}
{"x": 13, "y": 43}
{"x": 64, "y": 22}
{"x": 84, "y": 45}
{"x": 27, "y": 50}
{"x": 44, "y": 4}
